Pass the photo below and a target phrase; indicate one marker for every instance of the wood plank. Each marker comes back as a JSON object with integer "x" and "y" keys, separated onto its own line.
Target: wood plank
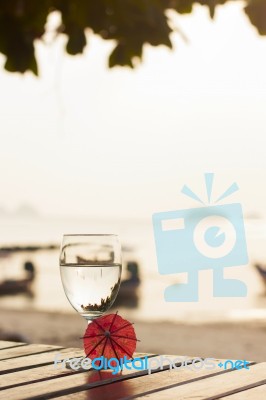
{"x": 24, "y": 377}
{"x": 258, "y": 392}
{"x": 33, "y": 361}
{"x": 148, "y": 383}
{"x": 36, "y": 360}
{"x": 213, "y": 387}
{"x": 34, "y": 375}
{"x": 69, "y": 384}
{"x": 4, "y": 344}
{"x": 29, "y": 349}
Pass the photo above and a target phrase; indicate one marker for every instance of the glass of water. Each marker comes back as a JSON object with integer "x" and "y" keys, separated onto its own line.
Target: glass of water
{"x": 90, "y": 267}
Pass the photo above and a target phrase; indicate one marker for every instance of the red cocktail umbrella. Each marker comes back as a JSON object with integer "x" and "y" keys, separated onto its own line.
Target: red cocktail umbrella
{"x": 110, "y": 336}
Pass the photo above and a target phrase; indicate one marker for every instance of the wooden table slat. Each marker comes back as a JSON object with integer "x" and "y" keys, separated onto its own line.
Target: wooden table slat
{"x": 146, "y": 383}
{"x": 143, "y": 384}
{"x": 35, "y": 360}
{"x": 27, "y": 371}
{"x": 213, "y": 387}
{"x": 256, "y": 393}
{"x": 4, "y": 344}
{"x": 26, "y": 376}
{"x": 68, "y": 384}
{"x": 29, "y": 349}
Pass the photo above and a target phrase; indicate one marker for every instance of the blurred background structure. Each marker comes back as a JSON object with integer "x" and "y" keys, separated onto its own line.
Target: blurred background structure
{"x": 85, "y": 148}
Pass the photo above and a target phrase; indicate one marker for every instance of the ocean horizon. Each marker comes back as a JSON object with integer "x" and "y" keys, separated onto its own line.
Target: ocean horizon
{"x": 138, "y": 242}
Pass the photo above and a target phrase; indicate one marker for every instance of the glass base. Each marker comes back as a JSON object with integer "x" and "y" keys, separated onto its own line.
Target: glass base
{"x": 91, "y": 316}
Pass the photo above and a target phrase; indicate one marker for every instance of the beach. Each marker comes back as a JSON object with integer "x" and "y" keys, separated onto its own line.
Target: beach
{"x": 230, "y": 328}
{"x": 228, "y": 340}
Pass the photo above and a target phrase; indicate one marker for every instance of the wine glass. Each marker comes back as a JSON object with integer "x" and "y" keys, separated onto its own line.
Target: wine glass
{"x": 90, "y": 268}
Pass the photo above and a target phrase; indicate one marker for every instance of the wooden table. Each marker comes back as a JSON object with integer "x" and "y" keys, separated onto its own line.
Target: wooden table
{"x": 27, "y": 372}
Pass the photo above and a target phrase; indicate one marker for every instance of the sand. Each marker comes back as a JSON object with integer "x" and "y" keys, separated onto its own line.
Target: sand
{"x": 243, "y": 340}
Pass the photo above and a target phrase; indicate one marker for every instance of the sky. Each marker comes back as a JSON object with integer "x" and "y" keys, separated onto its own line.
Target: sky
{"x": 83, "y": 140}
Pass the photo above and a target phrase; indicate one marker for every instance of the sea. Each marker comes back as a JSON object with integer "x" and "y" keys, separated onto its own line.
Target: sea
{"x": 137, "y": 239}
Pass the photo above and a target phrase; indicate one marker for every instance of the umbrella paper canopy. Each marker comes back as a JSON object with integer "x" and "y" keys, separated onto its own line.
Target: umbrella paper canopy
{"x": 110, "y": 336}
